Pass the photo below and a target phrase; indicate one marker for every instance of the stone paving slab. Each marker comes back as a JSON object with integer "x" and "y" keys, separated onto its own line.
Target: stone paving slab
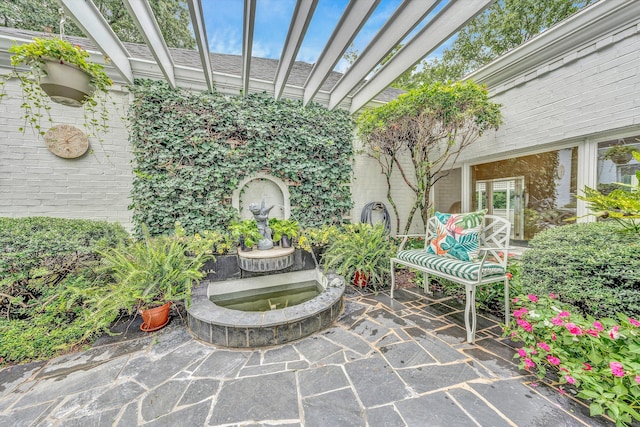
{"x": 391, "y": 363}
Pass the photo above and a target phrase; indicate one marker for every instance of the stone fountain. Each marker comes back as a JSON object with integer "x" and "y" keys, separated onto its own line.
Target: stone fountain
{"x": 267, "y": 258}
{"x": 272, "y": 279}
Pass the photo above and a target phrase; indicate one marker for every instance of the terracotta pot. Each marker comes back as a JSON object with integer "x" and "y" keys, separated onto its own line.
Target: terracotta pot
{"x": 360, "y": 279}
{"x": 155, "y": 318}
{"x": 65, "y": 84}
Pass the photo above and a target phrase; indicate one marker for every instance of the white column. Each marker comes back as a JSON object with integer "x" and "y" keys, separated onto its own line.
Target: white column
{"x": 587, "y": 175}
{"x": 466, "y": 191}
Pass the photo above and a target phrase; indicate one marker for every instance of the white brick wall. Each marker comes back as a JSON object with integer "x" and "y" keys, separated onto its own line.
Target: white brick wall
{"x": 584, "y": 94}
{"x": 33, "y": 181}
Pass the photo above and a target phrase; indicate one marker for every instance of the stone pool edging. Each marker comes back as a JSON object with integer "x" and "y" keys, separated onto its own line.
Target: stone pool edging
{"x": 239, "y": 329}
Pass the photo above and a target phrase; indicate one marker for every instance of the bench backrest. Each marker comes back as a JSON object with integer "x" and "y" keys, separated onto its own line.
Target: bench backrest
{"x": 494, "y": 236}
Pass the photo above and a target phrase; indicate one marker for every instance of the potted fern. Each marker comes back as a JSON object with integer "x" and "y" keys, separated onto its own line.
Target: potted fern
{"x": 61, "y": 72}
{"x": 149, "y": 275}
{"x": 361, "y": 254}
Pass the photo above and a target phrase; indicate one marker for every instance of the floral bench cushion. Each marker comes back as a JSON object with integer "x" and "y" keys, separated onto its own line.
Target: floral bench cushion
{"x": 462, "y": 269}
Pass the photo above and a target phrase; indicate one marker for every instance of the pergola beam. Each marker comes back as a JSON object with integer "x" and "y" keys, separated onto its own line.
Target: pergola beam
{"x": 299, "y": 23}
{"x": 406, "y": 17}
{"x": 247, "y": 42}
{"x": 448, "y": 21}
{"x": 88, "y": 18}
{"x": 200, "y": 31}
{"x": 144, "y": 19}
{"x": 352, "y": 20}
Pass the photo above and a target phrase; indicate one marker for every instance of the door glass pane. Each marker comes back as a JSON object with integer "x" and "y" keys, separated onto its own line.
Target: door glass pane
{"x": 534, "y": 192}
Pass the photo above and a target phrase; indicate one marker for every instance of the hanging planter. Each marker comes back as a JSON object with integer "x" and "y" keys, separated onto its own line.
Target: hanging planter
{"x": 65, "y": 84}
{"x": 620, "y": 154}
{"x": 62, "y": 73}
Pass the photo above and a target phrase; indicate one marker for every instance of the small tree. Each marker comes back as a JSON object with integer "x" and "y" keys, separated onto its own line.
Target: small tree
{"x": 433, "y": 124}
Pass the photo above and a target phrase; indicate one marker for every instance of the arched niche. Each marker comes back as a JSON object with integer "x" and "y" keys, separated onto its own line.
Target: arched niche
{"x": 258, "y": 186}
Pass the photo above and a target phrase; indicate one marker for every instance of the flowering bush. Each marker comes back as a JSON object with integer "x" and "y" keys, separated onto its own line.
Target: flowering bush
{"x": 601, "y": 358}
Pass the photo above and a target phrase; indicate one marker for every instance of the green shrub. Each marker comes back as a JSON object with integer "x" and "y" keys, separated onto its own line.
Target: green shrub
{"x": 594, "y": 266}
{"x": 43, "y": 262}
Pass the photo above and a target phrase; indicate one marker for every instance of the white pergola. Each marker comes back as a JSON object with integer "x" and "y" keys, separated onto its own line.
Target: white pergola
{"x": 355, "y": 89}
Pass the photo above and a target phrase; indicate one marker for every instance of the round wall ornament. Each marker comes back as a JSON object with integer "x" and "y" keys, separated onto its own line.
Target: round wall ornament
{"x": 66, "y": 141}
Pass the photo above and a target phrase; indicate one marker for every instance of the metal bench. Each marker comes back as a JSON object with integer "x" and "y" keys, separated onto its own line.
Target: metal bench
{"x": 490, "y": 268}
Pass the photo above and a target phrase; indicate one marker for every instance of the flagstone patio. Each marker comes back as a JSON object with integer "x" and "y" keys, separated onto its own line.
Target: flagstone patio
{"x": 401, "y": 362}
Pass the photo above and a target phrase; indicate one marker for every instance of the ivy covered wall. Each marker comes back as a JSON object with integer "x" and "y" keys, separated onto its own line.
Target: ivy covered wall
{"x": 192, "y": 149}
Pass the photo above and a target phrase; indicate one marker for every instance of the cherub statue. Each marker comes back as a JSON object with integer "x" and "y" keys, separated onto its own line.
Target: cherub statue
{"x": 261, "y": 215}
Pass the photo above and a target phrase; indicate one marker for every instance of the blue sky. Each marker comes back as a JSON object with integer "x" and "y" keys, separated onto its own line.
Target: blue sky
{"x": 223, "y": 19}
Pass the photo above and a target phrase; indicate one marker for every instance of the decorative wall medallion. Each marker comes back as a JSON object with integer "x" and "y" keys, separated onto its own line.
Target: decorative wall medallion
{"x": 66, "y": 141}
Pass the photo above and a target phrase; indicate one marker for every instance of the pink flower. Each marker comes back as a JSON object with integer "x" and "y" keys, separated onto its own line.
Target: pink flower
{"x": 553, "y": 360}
{"x": 553, "y": 336}
{"x": 557, "y": 321}
{"x": 520, "y": 312}
{"x": 509, "y": 276}
{"x": 616, "y": 369}
{"x": 561, "y": 391}
{"x": 515, "y": 300}
{"x": 634, "y": 322}
{"x": 570, "y": 379}
{"x": 524, "y": 325}
{"x": 534, "y": 384}
{"x": 553, "y": 296}
{"x": 573, "y": 328}
{"x": 522, "y": 352}
{"x": 532, "y": 298}
{"x": 638, "y": 379}
{"x": 564, "y": 314}
{"x": 613, "y": 333}
{"x": 592, "y": 332}
{"x": 587, "y": 367}
{"x": 528, "y": 363}
{"x": 544, "y": 346}
{"x": 598, "y": 326}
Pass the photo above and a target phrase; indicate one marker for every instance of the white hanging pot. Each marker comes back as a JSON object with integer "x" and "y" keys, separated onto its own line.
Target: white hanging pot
{"x": 65, "y": 84}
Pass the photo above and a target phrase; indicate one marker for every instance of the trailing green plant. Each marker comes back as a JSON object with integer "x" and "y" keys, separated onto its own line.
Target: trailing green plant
{"x": 594, "y": 267}
{"x": 192, "y": 150}
{"x": 42, "y": 262}
{"x": 283, "y": 227}
{"x": 245, "y": 232}
{"x": 36, "y": 102}
{"x": 621, "y": 205}
{"x": 600, "y": 358}
{"x": 363, "y": 249}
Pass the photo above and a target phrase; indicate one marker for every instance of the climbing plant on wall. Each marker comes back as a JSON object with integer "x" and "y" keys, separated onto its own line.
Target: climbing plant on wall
{"x": 192, "y": 149}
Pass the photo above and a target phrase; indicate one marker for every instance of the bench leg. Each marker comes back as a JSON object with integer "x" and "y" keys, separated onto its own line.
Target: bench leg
{"x": 470, "y": 313}
{"x": 506, "y": 302}
{"x": 393, "y": 278}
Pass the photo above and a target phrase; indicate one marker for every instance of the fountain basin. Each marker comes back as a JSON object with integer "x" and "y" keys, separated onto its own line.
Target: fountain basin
{"x": 263, "y": 261}
{"x": 247, "y": 329}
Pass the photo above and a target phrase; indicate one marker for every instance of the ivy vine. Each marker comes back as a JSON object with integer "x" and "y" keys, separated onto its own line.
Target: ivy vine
{"x": 191, "y": 150}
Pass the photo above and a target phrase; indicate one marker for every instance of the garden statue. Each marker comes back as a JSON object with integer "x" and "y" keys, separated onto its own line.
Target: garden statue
{"x": 261, "y": 214}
